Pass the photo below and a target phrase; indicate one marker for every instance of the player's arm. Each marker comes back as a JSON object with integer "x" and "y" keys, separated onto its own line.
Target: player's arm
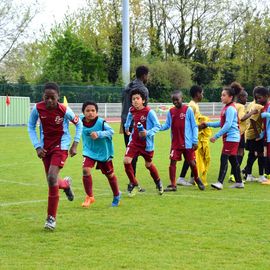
{"x": 230, "y": 113}
{"x": 152, "y": 117}
{"x": 106, "y": 133}
{"x": 78, "y": 124}
{"x": 128, "y": 123}
{"x": 194, "y": 127}
{"x": 167, "y": 123}
{"x": 215, "y": 124}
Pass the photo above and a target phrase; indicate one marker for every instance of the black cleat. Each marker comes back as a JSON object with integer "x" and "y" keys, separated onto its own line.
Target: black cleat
{"x": 159, "y": 187}
{"x": 68, "y": 191}
{"x": 200, "y": 184}
{"x": 170, "y": 188}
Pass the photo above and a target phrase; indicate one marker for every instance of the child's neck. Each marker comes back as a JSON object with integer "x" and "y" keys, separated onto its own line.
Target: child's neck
{"x": 90, "y": 120}
{"x": 140, "y": 108}
{"x": 195, "y": 100}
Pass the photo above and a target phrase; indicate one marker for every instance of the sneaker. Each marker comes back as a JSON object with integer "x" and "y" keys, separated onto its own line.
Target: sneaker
{"x": 200, "y": 184}
{"x": 244, "y": 174}
{"x": 140, "y": 189}
{"x": 88, "y": 200}
{"x": 132, "y": 190}
{"x": 182, "y": 182}
{"x": 231, "y": 179}
{"x": 50, "y": 223}
{"x": 237, "y": 185}
{"x": 116, "y": 200}
{"x": 250, "y": 178}
{"x": 159, "y": 187}
{"x": 191, "y": 181}
{"x": 217, "y": 185}
{"x": 68, "y": 191}
{"x": 170, "y": 188}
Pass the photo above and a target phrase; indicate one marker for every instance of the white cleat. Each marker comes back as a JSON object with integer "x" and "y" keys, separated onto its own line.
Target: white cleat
{"x": 217, "y": 185}
{"x": 237, "y": 185}
{"x": 182, "y": 182}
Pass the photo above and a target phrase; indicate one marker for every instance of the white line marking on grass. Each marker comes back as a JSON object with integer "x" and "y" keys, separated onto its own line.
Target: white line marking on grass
{"x": 19, "y": 183}
{"x": 39, "y": 201}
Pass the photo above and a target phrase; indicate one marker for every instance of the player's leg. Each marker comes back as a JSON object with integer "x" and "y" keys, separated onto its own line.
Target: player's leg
{"x": 87, "y": 166}
{"x": 237, "y": 173}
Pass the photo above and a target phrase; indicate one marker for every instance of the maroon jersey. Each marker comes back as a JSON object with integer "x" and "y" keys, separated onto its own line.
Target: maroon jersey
{"x": 178, "y": 126}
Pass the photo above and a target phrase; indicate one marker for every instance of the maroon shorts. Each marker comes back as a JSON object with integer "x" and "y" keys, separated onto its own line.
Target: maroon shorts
{"x": 230, "y": 148}
{"x": 176, "y": 154}
{"x": 56, "y": 158}
{"x": 134, "y": 151}
{"x": 268, "y": 149}
{"x": 105, "y": 167}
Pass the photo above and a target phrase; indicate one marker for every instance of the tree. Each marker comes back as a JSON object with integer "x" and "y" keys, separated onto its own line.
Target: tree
{"x": 14, "y": 20}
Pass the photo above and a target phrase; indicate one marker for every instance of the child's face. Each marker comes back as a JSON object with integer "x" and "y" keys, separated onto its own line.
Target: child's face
{"x": 137, "y": 101}
{"x": 90, "y": 112}
{"x": 225, "y": 98}
{"x": 261, "y": 99}
{"x": 50, "y": 98}
{"x": 243, "y": 99}
{"x": 177, "y": 100}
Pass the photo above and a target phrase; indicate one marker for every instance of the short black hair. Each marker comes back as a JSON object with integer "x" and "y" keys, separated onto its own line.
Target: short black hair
{"x": 52, "y": 85}
{"x": 86, "y": 103}
{"x": 194, "y": 90}
{"x": 137, "y": 92}
{"x": 141, "y": 70}
{"x": 261, "y": 90}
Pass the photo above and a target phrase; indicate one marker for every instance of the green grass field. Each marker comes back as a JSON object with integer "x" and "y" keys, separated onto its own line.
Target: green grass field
{"x": 188, "y": 229}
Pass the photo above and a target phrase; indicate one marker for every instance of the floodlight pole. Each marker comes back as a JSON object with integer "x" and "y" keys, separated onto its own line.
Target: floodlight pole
{"x": 125, "y": 43}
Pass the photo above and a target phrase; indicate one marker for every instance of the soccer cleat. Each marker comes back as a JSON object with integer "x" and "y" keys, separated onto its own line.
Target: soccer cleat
{"x": 237, "y": 185}
{"x": 170, "y": 188}
{"x": 50, "y": 223}
{"x": 250, "y": 178}
{"x": 88, "y": 200}
{"x": 182, "y": 182}
{"x": 68, "y": 191}
{"x": 116, "y": 200}
{"x": 200, "y": 184}
{"x": 132, "y": 190}
{"x": 231, "y": 179}
{"x": 217, "y": 185}
{"x": 159, "y": 187}
{"x": 140, "y": 189}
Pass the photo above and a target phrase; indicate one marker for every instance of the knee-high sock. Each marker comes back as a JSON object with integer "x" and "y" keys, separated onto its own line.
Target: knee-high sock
{"x": 261, "y": 165}
{"x": 194, "y": 170}
{"x": 251, "y": 159}
{"x": 130, "y": 173}
{"x": 153, "y": 172}
{"x": 235, "y": 168}
{"x": 53, "y": 199}
{"x": 239, "y": 159}
{"x": 223, "y": 168}
{"x": 184, "y": 169}
{"x": 172, "y": 172}
{"x": 114, "y": 185}
{"x": 134, "y": 164}
{"x": 88, "y": 185}
{"x": 63, "y": 184}
{"x": 267, "y": 165}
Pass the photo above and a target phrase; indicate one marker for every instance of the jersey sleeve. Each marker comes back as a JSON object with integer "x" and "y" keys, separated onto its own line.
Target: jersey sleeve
{"x": 193, "y": 125}
{"x": 77, "y": 122}
{"x": 152, "y": 117}
{"x": 228, "y": 123}
{"x": 167, "y": 123}
{"x": 107, "y": 132}
{"x": 32, "y": 127}
{"x": 129, "y": 120}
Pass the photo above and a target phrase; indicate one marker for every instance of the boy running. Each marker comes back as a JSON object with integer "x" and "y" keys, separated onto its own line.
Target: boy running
{"x": 184, "y": 136}
{"x": 53, "y": 144}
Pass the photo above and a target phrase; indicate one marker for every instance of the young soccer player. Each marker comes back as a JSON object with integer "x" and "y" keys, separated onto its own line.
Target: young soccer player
{"x": 231, "y": 137}
{"x": 141, "y": 143}
{"x": 53, "y": 144}
{"x": 196, "y": 92}
{"x": 184, "y": 135}
{"x": 97, "y": 148}
{"x": 262, "y": 97}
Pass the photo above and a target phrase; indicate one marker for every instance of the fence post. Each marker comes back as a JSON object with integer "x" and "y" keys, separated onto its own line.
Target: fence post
{"x": 214, "y": 109}
{"x": 105, "y": 111}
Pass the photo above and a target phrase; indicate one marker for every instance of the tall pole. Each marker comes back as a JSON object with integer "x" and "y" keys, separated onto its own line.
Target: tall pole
{"x": 125, "y": 42}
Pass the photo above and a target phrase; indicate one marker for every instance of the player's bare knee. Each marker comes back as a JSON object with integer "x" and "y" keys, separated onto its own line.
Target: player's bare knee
{"x": 52, "y": 179}
{"x": 148, "y": 165}
{"x": 86, "y": 171}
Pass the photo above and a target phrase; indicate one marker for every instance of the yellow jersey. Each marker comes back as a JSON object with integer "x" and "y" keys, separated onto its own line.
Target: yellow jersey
{"x": 241, "y": 111}
{"x": 195, "y": 107}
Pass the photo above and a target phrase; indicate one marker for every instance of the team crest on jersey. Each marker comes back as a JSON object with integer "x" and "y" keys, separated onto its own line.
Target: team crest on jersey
{"x": 142, "y": 119}
{"x": 182, "y": 116}
{"x": 58, "y": 120}
{"x": 76, "y": 119}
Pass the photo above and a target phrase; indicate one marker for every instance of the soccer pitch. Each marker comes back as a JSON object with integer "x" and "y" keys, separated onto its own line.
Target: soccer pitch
{"x": 187, "y": 229}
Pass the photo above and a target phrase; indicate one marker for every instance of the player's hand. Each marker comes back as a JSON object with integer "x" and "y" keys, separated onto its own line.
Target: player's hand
{"x": 73, "y": 149}
{"x": 254, "y": 112}
{"x": 195, "y": 147}
{"x": 142, "y": 134}
{"x": 127, "y": 132}
{"x": 94, "y": 135}
{"x": 202, "y": 126}
{"x": 41, "y": 153}
{"x": 213, "y": 139}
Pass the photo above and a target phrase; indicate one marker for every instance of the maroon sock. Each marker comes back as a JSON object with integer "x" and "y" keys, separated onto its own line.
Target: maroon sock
{"x": 153, "y": 172}
{"x": 114, "y": 185}
{"x": 194, "y": 171}
{"x": 130, "y": 173}
{"x": 88, "y": 185}
{"x": 63, "y": 184}
{"x": 172, "y": 172}
{"x": 53, "y": 200}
